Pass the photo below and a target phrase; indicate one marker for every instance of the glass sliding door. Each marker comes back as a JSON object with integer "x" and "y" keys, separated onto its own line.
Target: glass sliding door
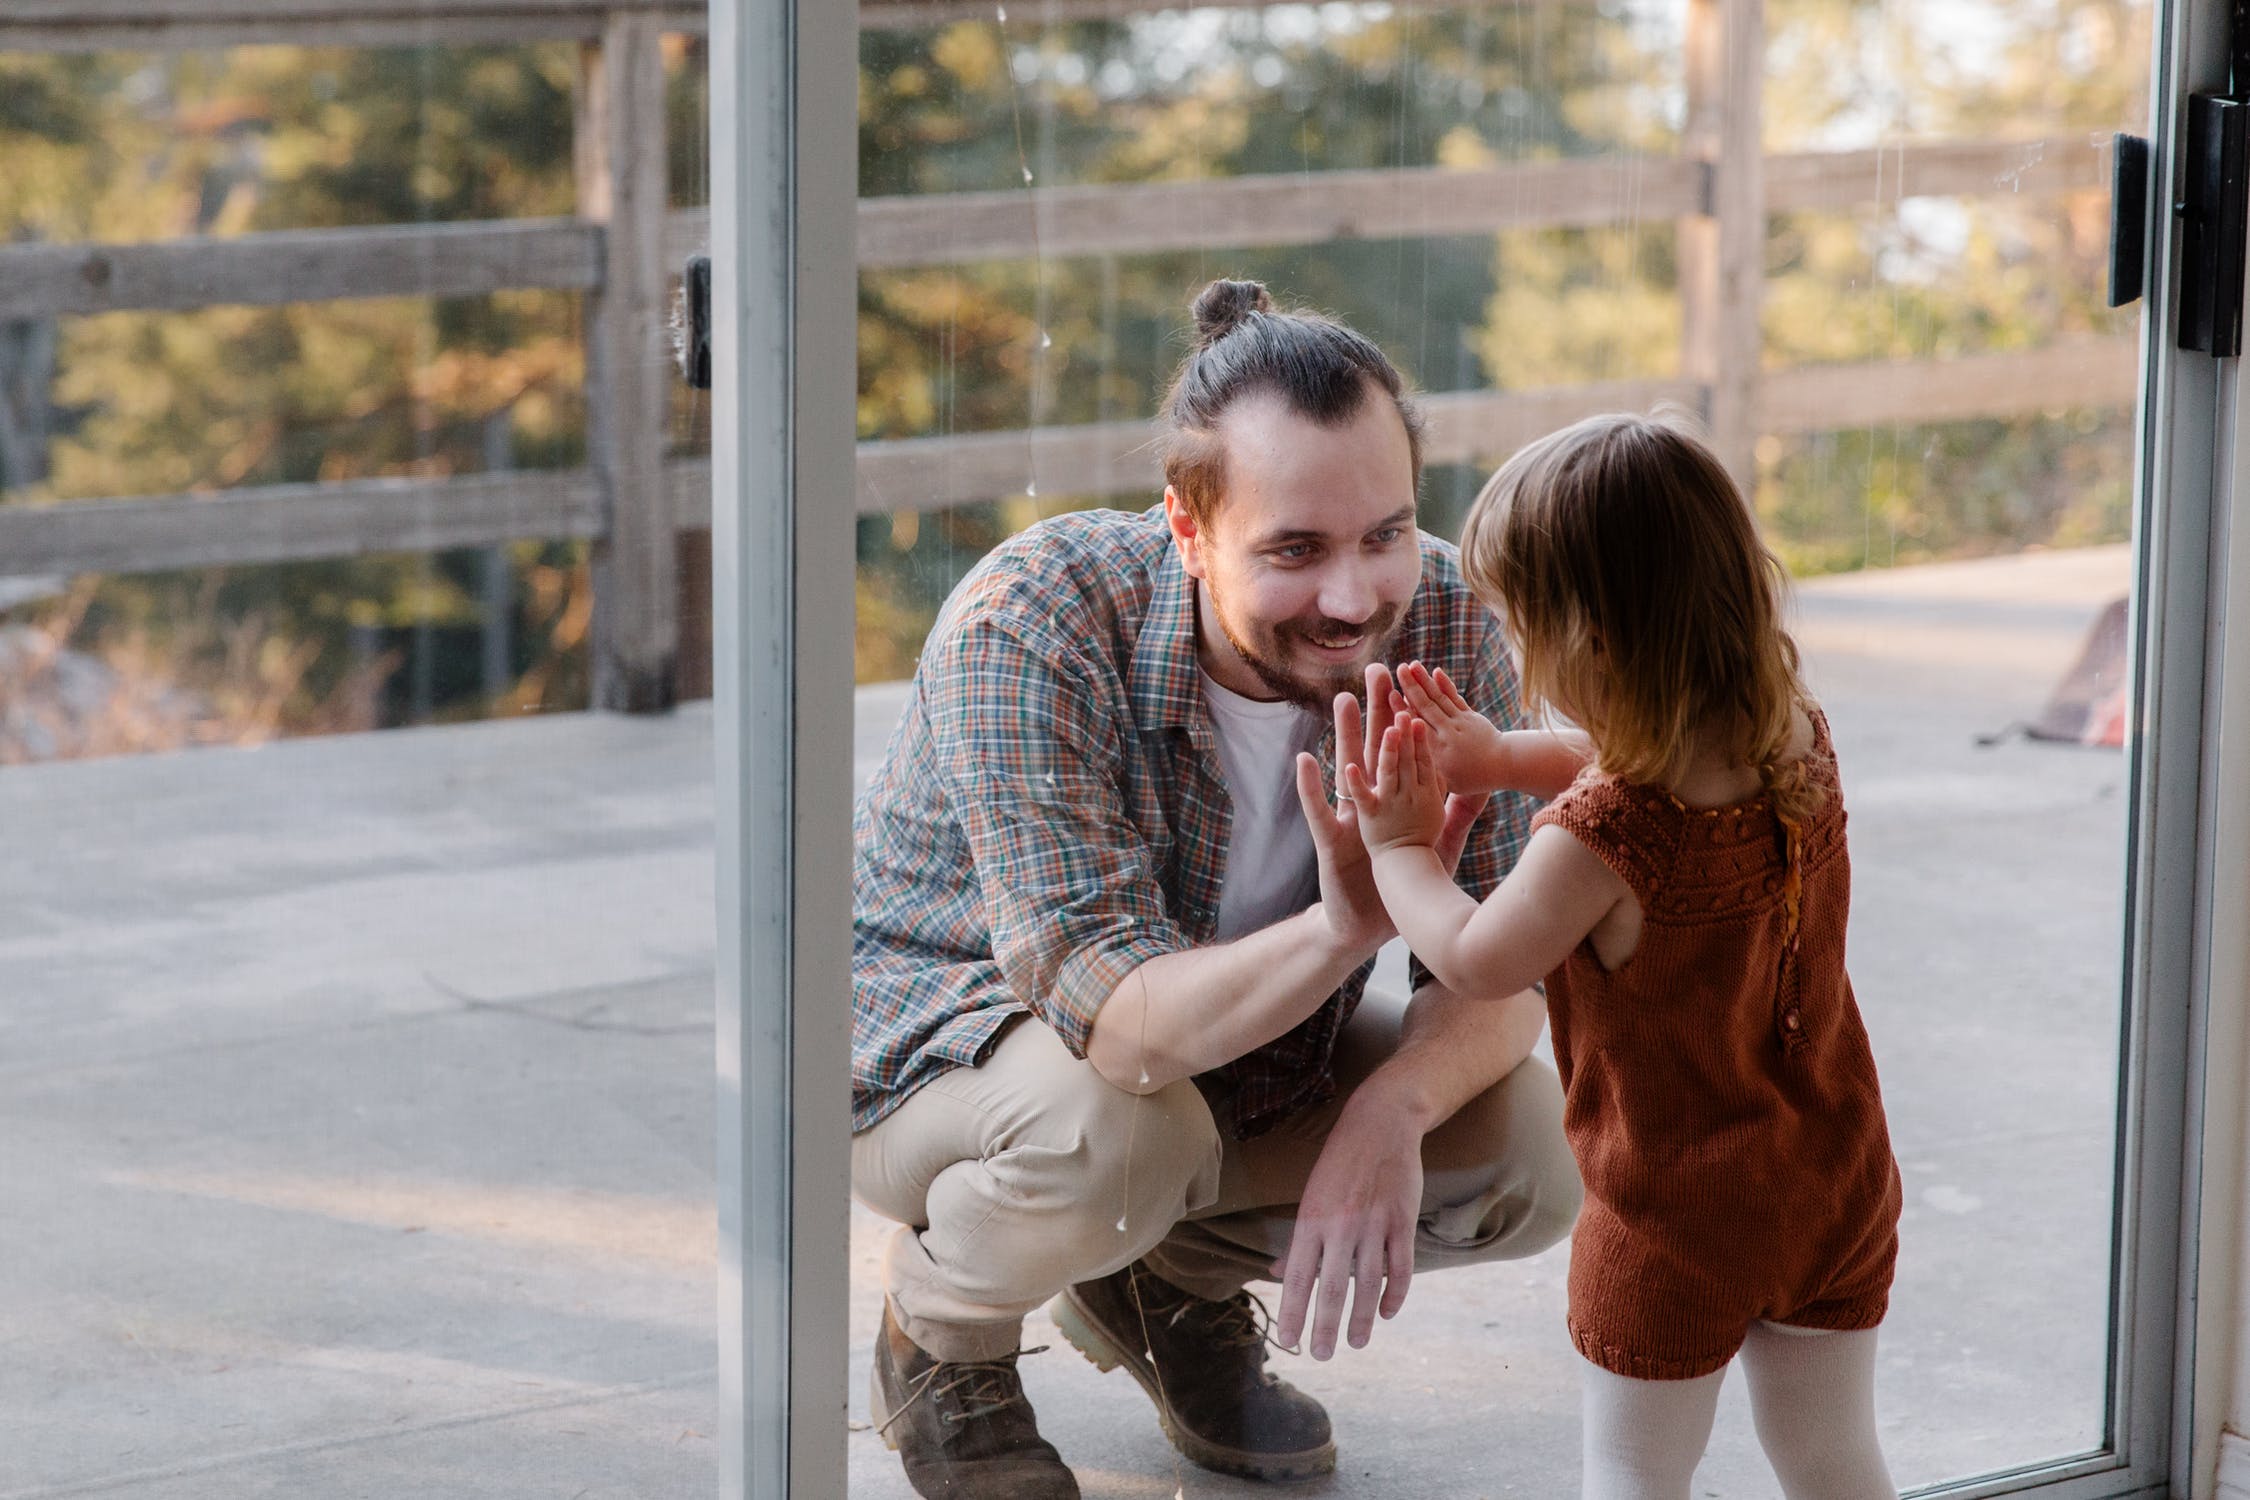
{"x": 355, "y": 983}
{"x": 1866, "y": 245}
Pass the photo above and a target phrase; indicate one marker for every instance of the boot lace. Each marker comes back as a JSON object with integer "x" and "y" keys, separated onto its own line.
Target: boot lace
{"x": 985, "y": 1386}
{"x": 1240, "y": 1322}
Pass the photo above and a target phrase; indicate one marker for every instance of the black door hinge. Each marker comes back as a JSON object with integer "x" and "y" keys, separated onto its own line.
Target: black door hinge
{"x": 2214, "y": 217}
{"x": 2214, "y": 206}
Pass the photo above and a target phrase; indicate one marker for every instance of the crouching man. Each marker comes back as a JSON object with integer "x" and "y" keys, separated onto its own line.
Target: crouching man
{"x": 1111, "y": 941}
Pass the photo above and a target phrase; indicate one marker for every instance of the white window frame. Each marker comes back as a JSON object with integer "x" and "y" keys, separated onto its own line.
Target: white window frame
{"x": 784, "y": 179}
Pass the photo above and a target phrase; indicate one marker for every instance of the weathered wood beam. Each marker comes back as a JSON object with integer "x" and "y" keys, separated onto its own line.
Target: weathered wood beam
{"x": 1293, "y": 209}
{"x": 132, "y": 25}
{"x": 193, "y": 33}
{"x": 1281, "y": 209}
{"x": 1486, "y": 426}
{"x": 1417, "y": 202}
{"x": 1722, "y": 245}
{"x": 293, "y": 522}
{"x": 687, "y": 493}
{"x": 1812, "y": 180}
{"x": 282, "y": 523}
{"x": 931, "y": 473}
{"x": 906, "y": 15}
{"x": 1468, "y": 427}
{"x": 305, "y": 265}
{"x": 619, "y": 161}
{"x": 1120, "y": 457}
{"x": 262, "y": 12}
{"x": 687, "y": 231}
{"x": 2070, "y": 374}
{"x": 63, "y": 17}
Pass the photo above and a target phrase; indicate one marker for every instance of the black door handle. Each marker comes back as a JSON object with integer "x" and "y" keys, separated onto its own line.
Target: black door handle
{"x": 692, "y": 338}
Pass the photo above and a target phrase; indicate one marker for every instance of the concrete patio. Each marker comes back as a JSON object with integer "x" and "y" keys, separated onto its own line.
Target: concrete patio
{"x": 355, "y": 1110}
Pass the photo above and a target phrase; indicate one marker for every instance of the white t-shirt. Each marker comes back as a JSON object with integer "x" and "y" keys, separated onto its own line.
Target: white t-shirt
{"x": 1270, "y": 870}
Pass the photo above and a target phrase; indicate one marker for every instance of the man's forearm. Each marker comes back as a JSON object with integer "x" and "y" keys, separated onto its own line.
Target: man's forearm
{"x": 1189, "y": 1012}
{"x": 1450, "y": 1050}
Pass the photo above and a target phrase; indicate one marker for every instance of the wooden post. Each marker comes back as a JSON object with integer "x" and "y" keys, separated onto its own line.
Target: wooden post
{"x": 27, "y": 400}
{"x": 1722, "y": 249}
{"x": 621, "y": 185}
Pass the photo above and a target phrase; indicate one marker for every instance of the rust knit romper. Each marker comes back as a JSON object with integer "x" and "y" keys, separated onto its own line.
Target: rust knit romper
{"x": 1718, "y": 1089}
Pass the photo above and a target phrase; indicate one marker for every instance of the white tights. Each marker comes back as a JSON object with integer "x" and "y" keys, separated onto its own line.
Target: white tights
{"x": 1812, "y": 1394}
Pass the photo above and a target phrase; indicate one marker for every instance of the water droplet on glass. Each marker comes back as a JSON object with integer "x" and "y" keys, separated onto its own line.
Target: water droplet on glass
{"x": 1027, "y": 174}
{"x": 1046, "y": 339}
{"x": 1002, "y": 11}
{"x": 1144, "y": 1075}
{"x": 1031, "y": 490}
{"x": 1120, "y": 1223}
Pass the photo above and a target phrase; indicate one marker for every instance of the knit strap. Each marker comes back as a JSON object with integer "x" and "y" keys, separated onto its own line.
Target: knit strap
{"x": 1632, "y": 830}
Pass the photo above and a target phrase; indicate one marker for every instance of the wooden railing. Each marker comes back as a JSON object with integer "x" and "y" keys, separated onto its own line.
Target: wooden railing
{"x": 631, "y": 503}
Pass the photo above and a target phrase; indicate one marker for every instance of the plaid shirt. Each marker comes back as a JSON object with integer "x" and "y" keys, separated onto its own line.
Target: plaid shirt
{"x": 1050, "y": 813}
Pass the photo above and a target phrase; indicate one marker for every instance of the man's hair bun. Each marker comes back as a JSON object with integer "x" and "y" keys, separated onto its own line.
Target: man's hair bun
{"x": 1321, "y": 371}
{"x": 1222, "y": 307}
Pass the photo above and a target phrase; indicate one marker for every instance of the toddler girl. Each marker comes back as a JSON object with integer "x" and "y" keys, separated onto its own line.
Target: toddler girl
{"x": 1684, "y": 898}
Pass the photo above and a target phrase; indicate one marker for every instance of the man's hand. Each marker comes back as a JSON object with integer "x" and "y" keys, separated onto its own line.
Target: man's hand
{"x": 1355, "y": 1230}
{"x": 1347, "y": 881}
{"x": 1468, "y": 748}
{"x": 1348, "y": 899}
{"x": 1406, "y": 803}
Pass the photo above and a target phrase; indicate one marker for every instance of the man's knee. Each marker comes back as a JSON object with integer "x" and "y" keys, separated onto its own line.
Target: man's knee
{"x": 1074, "y": 1195}
{"x": 1028, "y": 1094}
{"x": 1150, "y": 1151}
{"x": 1060, "y": 1143}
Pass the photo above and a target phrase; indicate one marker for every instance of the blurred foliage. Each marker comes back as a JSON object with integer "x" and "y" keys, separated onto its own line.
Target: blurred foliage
{"x": 137, "y": 147}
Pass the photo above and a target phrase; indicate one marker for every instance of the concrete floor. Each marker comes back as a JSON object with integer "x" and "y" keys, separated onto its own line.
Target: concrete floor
{"x": 355, "y": 1110}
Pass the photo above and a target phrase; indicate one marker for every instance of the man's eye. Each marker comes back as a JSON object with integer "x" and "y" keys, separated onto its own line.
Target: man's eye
{"x": 1294, "y": 552}
{"x": 1387, "y": 535}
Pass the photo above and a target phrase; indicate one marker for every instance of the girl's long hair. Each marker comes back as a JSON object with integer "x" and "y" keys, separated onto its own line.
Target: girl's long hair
{"x": 1630, "y": 570}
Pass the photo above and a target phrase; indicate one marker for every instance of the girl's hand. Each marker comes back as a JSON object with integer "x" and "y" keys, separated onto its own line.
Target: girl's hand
{"x": 1406, "y": 803}
{"x": 1470, "y": 753}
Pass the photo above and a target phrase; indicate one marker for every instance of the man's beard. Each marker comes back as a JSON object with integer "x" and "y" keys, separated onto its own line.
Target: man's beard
{"x": 1318, "y": 693}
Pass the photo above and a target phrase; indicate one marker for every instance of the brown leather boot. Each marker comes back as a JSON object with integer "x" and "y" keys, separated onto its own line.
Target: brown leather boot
{"x": 1204, "y": 1365}
{"x": 964, "y": 1429}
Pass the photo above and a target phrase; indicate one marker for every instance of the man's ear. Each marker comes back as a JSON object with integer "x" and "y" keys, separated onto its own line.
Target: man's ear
{"x": 1187, "y": 537}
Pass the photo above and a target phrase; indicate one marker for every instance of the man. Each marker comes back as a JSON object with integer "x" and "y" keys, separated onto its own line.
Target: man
{"x": 1111, "y": 940}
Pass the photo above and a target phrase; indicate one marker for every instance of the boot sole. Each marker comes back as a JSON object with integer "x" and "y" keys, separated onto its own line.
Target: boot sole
{"x": 1084, "y": 1333}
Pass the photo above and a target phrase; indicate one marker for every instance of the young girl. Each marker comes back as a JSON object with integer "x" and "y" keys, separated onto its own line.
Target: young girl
{"x": 1684, "y": 897}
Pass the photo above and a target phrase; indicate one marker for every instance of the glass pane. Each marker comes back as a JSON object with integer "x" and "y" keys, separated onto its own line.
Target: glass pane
{"x": 357, "y": 1120}
{"x": 1939, "y": 447}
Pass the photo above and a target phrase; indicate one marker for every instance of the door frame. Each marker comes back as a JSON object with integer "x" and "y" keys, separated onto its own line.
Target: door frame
{"x": 784, "y": 154}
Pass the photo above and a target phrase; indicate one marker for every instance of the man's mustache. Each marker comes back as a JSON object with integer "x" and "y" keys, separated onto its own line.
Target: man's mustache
{"x": 1323, "y": 630}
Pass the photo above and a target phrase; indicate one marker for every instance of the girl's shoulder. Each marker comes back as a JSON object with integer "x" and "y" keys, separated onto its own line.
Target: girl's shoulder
{"x": 1645, "y": 832}
{"x": 1633, "y": 829}
{"x": 1596, "y": 788}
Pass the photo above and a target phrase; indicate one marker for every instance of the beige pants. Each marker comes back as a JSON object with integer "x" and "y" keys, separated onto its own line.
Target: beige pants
{"x": 1013, "y": 1180}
